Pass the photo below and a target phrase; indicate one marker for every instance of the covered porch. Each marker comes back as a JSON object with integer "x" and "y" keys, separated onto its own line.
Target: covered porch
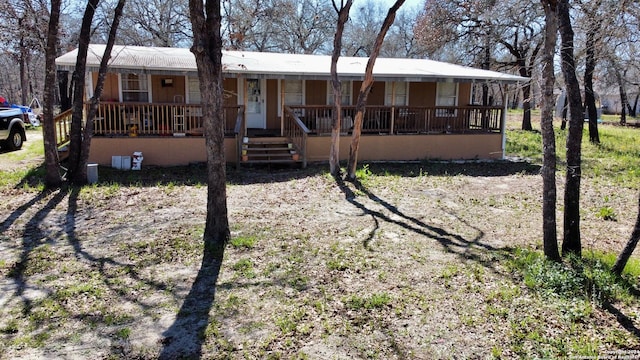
{"x": 172, "y": 134}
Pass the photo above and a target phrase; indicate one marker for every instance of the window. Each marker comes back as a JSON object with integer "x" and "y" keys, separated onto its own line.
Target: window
{"x": 194, "y": 91}
{"x": 293, "y": 92}
{"x": 346, "y": 93}
{"x": 400, "y": 93}
{"x": 135, "y": 88}
{"x": 446, "y": 95}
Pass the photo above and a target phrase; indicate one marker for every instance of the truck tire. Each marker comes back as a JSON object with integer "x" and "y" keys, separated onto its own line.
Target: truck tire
{"x": 15, "y": 140}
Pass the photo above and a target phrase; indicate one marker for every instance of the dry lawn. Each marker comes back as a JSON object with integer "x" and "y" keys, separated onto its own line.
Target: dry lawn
{"x": 413, "y": 263}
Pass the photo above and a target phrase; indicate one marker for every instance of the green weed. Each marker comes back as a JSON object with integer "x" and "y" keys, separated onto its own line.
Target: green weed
{"x": 244, "y": 242}
{"x": 244, "y": 267}
{"x": 607, "y": 213}
{"x": 375, "y": 301}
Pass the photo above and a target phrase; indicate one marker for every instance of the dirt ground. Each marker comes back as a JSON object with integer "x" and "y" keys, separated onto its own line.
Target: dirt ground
{"x": 105, "y": 271}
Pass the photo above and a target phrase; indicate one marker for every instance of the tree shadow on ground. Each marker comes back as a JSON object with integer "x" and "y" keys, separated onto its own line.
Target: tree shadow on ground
{"x": 184, "y": 339}
{"x": 196, "y": 174}
{"x": 453, "y": 243}
{"x": 41, "y": 253}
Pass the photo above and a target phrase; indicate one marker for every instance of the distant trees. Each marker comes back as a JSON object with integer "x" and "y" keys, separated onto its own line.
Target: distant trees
{"x": 468, "y": 31}
{"x": 279, "y": 25}
{"x": 23, "y": 39}
{"x": 163, "y": 23}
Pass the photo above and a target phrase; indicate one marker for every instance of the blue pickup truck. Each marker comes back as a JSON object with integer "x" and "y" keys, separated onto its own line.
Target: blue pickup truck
{"x": 12, "y": 124}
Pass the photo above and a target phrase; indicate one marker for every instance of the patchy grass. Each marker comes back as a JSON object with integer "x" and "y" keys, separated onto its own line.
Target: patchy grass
{"x": 430, "y": 260}
{"x": 614, "y": 160}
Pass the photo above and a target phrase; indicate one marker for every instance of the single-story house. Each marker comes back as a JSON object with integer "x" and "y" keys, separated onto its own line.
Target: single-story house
{"x": 278, "y": 108}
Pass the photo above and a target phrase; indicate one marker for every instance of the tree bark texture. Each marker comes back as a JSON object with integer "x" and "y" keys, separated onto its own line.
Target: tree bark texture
{"x": 571, "y": 240}
{"x": 549, "y": 191}
{"x": 52, "y": 177}
{"x": 75, "y": 134}
{"x": 80, "y": 176}
{"x": 334, "y": 153}
{"x": 589, "y": 94}
{"x": 624, "y": 256}
{"x": 207, "y": 48}
{"x": 365, "y": 89}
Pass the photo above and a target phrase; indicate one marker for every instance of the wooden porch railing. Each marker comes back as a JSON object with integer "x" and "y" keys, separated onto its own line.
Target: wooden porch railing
{"x": 405, "y": 119}
{"x": 62, "y": 126}
{"x": 142, "y": 119}
{"x": 297, "y": 131}
{"x": 240, "y": 132}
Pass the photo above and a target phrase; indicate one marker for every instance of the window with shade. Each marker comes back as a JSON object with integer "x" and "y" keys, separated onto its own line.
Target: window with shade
{"x": 194, "y": 90}
{"x": 446, "y": 95}
{"x": 396, "y": 93}
{"x": 346, "y": 93}
{"x": 135, "y": 88}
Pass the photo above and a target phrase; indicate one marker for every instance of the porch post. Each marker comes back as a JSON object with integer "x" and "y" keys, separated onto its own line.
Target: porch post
{"x": 393, "y": 109}
{"x": 245, "y": 93}
{"x": 503, "y": 120}
{"x": 281, "y": 107}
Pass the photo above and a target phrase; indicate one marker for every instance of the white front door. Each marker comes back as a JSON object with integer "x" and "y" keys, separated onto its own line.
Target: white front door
{"x": 256, "y": 105}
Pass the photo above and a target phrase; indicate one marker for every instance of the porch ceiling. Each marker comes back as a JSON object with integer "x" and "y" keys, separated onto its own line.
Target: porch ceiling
{"x": 155, "y": 60}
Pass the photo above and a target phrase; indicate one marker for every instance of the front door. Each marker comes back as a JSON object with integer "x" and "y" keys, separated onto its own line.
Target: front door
{"x": 256, "y": 105}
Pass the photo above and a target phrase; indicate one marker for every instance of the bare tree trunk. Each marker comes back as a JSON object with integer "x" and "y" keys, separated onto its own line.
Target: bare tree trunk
{"x": 565, "y": 112}
{"x": 526, "y": 107}
{"x": 52, "y": 177}
{"x": 571, "y": 241}
{"x": 81, "y": 173}
{"x": 365, "y": 88}
{"x": 589, "y": 95}
{"x": 624, "y": 256}
{"x": 633, "y": 109}
{"x": 24, "y": 68}
{"x": 623, "y": 97}
{"x": 207, "y": 48}
{"x": 549, "y": 193}
{"x": 75, "y": 145}
{"x": 334, "y": 153}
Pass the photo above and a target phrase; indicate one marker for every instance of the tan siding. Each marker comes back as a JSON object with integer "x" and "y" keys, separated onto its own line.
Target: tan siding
{"x": 167, "y": 94}
{"x": 316, "y": 92}
{"x": 170, "y": 151}
{"x": 422, "y": 94}
{"x": 413, "y": 147}
{"x": 110, "y": 92}
{"x": 464, "y": 94}
{"x": 273, "y": 120}
{"x": 160, "y": 151}
{"x": 230, "y": 86}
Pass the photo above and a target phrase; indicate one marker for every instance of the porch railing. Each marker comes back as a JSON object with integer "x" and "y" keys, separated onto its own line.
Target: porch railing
{"x": 62, "y": 126}
{"x": 297, "y": 131}
{"x": 144, "y": 119}
{"x": 405, "y": 119}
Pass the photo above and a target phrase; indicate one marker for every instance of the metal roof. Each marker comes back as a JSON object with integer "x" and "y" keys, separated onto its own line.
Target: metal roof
{"x": 159, "y": 60}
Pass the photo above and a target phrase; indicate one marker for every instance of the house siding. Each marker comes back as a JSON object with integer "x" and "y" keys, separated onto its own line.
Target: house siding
{"x": 273, "y": 120}
{"x": 110, "y": 91}
{"x": 168, "y": 94}
{"x": 316, "y": 92}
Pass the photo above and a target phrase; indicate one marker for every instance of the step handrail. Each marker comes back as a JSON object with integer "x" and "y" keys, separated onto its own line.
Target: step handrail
{"x": 297, "y": 131}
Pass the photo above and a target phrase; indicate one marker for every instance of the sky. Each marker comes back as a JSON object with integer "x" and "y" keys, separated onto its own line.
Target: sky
{"x": 407, "y": 3}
